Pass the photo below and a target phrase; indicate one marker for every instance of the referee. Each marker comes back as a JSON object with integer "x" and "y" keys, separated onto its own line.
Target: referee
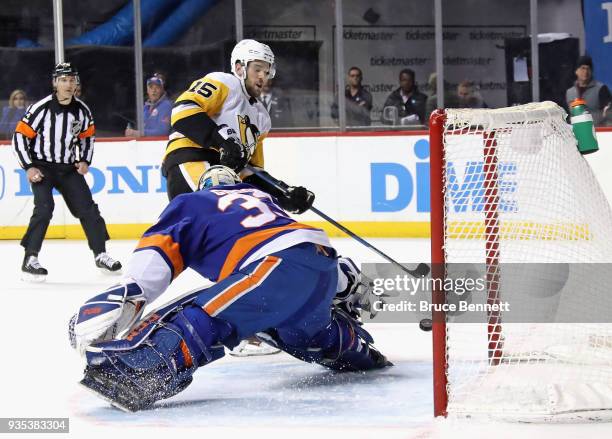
{"x": 53, "y": 142}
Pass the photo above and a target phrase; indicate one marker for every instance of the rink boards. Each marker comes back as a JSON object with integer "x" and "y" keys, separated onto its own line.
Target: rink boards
{"x": 377, "y": 184}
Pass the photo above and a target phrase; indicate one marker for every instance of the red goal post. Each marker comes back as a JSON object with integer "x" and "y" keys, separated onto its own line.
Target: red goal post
{"x": 436, "y": 166}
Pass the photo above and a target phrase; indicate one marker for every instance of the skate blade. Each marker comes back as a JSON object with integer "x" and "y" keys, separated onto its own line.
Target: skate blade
{"x": 256, "y": 352}
{"x": 253, "y": 354}
{"x": 107, "y": 272}
{"x": 33, "y": 278}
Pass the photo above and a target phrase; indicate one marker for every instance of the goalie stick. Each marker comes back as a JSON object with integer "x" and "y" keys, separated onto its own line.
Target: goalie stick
{"x": 421, "y": 270}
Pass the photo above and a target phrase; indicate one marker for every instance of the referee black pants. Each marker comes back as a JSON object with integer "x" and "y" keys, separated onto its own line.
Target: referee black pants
{"x": 77, "y": 196}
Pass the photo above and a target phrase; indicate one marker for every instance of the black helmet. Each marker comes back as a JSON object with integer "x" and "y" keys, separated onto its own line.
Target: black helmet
{"x": 64, "y": 69}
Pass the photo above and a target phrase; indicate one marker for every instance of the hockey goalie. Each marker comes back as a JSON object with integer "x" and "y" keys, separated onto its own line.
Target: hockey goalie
{"x": 276, "y": 278}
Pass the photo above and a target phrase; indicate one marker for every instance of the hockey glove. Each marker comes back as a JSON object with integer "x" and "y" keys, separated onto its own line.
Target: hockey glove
{"x": 106, "y": 315}
{"x": 355, "y": 293}
{"x": 297, "y": 199}
{"x": 234, "y": 154}
{"x": 294, "y": 199}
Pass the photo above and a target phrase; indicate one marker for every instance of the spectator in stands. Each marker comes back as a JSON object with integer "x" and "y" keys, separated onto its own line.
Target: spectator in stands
{"x": 358, "y": 100}
{"x": 79, "y": 91}
{"x": 157, "y": 109}
{"x": 432, "y": 100}
{"x": 12, "y": 113}
{"x": 277, "y": 104}
{"x": 596, "y": 94}
{"x": 467, "y": 96}
{"x": 406, "y": 105}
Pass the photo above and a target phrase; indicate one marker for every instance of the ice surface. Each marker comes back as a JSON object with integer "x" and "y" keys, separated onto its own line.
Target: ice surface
{"x": 273, "y": 396}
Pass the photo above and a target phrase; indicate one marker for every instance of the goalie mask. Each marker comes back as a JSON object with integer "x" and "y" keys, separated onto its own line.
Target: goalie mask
{"x": 250, "y": 50}
{"x": 218, "y": 175}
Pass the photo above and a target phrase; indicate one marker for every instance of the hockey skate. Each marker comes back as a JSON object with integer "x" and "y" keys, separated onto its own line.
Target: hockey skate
{"x": 252, "y": 347}
{"x": 32, "y": 271}
{"x": 107, "y": 264}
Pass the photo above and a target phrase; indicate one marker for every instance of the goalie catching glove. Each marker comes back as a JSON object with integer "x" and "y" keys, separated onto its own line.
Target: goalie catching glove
{"x": 234, "y": 154}
{"x": 106, "y": 315}
{"x": 355, "y": 293}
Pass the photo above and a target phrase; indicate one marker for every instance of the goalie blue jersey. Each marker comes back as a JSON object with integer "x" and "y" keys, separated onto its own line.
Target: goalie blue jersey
{"x": 215, "y": 232}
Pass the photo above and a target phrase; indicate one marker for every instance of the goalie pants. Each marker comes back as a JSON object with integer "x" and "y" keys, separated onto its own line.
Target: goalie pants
{"x": 290, "y": 290}
{"x": 77, "y": 196}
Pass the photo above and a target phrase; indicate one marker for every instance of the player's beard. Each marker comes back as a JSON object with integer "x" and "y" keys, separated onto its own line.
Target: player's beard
{"x": 252, "y": 89}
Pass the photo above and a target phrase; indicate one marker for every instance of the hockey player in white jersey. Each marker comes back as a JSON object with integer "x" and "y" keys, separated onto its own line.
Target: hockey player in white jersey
{"x": 219, "y": 120}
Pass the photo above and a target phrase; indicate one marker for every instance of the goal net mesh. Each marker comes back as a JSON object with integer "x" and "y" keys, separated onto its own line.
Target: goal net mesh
{"x": 524, "y": 207}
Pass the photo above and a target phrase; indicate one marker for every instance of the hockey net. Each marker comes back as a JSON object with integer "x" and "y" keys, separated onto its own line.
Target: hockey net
{"x": 509, "y": 187}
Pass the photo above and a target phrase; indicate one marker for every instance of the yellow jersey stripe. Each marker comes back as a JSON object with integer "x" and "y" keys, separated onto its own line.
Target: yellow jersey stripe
{"x": 208, "y": 93}
{"x": 257, "y": 159}
{"x": 178, "y": 115}
{"x": 184, "y": 142}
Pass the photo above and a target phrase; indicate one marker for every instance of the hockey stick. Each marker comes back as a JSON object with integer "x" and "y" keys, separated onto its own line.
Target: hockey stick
{"x": 421, "y": 270}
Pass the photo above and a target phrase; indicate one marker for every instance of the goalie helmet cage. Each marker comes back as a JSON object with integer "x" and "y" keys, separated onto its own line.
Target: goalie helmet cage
{"x": 509, "y": 186}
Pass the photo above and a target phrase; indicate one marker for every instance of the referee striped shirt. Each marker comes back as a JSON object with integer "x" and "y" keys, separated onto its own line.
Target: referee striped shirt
{"x": 54, "y": 133}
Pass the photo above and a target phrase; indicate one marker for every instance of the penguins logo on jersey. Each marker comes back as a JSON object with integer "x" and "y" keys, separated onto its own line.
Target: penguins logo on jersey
{"x": 248, "y": 132}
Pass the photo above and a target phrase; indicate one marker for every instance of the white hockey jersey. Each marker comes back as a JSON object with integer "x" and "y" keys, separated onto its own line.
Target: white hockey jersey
{"x": 222, "y": 97}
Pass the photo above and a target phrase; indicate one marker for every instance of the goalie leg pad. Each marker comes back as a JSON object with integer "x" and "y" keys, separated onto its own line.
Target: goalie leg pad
{"x": 342, "y": 345}
{"x": 160, "y": 366}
